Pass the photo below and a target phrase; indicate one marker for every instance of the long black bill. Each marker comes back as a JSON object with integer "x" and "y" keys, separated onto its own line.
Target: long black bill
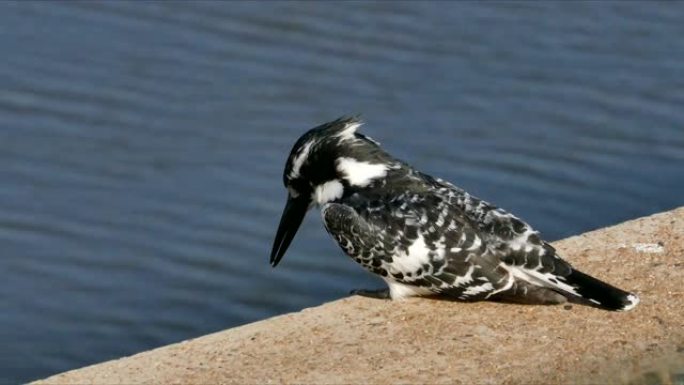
{"x": 294, "y": 212}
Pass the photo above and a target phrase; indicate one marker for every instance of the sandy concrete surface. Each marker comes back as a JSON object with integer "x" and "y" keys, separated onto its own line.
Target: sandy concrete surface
{"x": 361, "y": 340}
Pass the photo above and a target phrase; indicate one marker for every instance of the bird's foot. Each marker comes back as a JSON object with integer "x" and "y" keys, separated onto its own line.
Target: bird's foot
{"x": 379, "y": 293}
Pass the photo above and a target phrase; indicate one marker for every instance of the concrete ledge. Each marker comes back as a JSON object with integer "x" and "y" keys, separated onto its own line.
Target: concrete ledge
{"x": 359, "y": 340}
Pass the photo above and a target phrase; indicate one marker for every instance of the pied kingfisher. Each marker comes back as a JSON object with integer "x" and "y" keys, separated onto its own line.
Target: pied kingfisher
{"x": 423, "y": 235}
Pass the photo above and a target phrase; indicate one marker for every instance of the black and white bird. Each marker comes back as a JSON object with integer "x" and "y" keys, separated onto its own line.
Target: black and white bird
{"x": 423, "y": 235}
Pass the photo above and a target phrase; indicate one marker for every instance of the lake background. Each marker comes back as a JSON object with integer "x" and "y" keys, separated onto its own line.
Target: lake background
{"x": 142, "y": 146}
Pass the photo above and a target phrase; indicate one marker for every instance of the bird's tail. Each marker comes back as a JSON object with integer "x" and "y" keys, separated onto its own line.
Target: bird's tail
{"x": 599, "y": 294}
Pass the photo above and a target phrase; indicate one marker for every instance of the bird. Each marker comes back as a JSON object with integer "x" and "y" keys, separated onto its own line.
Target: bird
{"x": 423, "y": 235}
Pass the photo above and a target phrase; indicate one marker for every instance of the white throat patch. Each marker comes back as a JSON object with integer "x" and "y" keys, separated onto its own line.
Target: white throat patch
{"x": 360, "y": 173}
{"x": 328, "y": 191}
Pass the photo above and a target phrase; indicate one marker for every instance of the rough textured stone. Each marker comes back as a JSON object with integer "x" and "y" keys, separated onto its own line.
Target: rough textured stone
{"x": 361, "y": 340}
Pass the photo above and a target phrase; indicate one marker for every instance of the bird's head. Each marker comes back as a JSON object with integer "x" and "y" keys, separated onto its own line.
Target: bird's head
{"x": 324, "y": 164}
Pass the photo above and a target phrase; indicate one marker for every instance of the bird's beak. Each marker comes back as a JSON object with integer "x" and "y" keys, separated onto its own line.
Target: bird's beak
{"x": 294, "y": 212}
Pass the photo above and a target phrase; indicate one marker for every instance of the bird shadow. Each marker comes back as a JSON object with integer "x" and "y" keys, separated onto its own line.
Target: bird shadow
{"x": 383, "y": 294}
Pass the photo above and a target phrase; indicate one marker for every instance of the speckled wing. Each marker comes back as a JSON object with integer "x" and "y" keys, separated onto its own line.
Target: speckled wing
{"x": 528, "y": 259}
{"x": 419, "y": 240}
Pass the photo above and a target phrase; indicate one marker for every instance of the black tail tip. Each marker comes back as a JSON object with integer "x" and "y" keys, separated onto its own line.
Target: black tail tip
{"x": 626, "y": 303}
{"x": 623, "y": 303}
{"x": 630, "y": 302}
{"x": 599, "y": 294}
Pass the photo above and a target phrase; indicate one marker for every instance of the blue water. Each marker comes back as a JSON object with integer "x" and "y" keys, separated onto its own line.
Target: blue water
{"x": 142, "y": 146}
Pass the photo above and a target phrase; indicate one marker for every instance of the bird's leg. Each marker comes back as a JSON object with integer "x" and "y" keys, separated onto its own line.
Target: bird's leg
{"x": 379, "y": 293}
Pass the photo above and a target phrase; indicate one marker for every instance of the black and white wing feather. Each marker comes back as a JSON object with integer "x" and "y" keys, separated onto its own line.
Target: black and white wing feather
{"x": 419, "y": 244}
{"x": 529, "y": 259}
{"x": 446, "y": 242}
